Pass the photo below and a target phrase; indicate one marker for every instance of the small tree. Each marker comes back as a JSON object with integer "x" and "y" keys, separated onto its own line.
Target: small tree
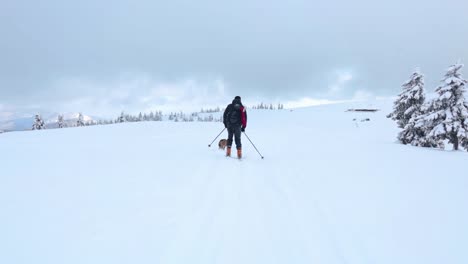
{"x": 60, "y": 121}
{"x": 80, "y": 121}
{"x": 447, "y": 115}
{"x": 38, "y": 123}
{"x": 121, "y": 118}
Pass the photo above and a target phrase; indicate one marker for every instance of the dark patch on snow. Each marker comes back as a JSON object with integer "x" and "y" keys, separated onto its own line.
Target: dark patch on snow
{"x": 362, "y": 110}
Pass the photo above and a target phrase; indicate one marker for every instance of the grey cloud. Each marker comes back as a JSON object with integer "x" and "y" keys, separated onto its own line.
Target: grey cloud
{"x": 269, "y": 49}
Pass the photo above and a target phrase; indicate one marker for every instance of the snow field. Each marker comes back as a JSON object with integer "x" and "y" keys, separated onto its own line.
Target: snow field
{"x": 330, "y": 190}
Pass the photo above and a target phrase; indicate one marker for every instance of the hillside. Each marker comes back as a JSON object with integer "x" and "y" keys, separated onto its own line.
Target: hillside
{"x": 330, "y": 190}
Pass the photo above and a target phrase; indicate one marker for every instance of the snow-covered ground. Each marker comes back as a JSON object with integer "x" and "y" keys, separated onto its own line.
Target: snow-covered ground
{"x": 330, "y": 190}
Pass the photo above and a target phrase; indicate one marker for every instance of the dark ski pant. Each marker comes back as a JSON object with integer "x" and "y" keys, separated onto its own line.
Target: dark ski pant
{"x": 236, "y": 133}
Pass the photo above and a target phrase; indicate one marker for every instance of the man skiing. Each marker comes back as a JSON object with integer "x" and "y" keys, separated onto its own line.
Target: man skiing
{"x": 235, "y": 120}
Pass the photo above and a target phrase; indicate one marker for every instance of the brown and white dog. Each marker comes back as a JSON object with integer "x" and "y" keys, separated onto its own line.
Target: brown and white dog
{"x": 222, "y": 144}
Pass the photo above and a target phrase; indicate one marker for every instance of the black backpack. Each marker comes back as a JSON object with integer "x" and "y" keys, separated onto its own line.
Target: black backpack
{"x": 234, "y": 115}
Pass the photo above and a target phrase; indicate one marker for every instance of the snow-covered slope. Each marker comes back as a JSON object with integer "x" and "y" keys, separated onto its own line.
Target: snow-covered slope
{"x": 330, "y": 190}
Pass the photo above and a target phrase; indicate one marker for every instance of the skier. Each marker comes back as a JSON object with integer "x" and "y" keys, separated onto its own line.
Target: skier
{"x": 235, "y": 120}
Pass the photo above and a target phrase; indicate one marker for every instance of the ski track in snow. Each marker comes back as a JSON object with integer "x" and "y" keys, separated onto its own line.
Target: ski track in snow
{"x": 330, "y": 190}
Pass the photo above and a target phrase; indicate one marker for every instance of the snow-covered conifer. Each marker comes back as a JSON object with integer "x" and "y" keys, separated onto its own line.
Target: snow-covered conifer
{"x": 447, "y": 115}
{"x": 80, "y": 121}
{"x": 38, "y": 123}
{"x": 407, "y": 111}
{"x": 414, "y": 132}
{"x": 409, "y": 101}
{"x": 60, "y": 121}
{"x": 121, "y": 118}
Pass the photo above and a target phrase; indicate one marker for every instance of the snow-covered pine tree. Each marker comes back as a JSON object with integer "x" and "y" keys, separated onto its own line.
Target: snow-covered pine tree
{"x": 38, "y": 123}
{"x": 121, "y": 118}
{"x": 80, "y": 121}
{"x": 414, "y": 133}
{"x": 447, "y": 116}
{"x": 60, "y": 121}
{"x": 407, "y": 110}
{"x": 409, "y": 101}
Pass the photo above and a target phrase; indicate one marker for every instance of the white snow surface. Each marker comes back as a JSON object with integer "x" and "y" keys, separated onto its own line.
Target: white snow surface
{"x": 330, "y": 190}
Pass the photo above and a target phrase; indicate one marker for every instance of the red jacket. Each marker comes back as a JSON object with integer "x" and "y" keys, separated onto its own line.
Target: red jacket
{"x": 243, "y": 116}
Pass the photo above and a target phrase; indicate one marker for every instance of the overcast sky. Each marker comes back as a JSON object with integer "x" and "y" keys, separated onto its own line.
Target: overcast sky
{"x": 112, "y": 55}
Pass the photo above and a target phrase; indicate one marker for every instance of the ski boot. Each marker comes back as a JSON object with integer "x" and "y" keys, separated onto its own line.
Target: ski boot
{"x": 239, "y": 153}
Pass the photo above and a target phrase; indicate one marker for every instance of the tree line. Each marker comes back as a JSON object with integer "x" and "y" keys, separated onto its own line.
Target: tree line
{"x": 205, "y": 115}
{"x": 39, "y": 123}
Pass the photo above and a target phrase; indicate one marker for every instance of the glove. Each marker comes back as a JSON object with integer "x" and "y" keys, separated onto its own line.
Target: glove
{"x": 243, "y": 129}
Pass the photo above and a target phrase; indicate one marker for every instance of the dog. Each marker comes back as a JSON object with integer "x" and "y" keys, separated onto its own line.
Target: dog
{"x": 222, "y": 144}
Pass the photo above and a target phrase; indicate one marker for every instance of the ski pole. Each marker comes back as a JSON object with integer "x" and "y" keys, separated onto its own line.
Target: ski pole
{"x": 253, "y": 145}
{"x": 216, "y": 138}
